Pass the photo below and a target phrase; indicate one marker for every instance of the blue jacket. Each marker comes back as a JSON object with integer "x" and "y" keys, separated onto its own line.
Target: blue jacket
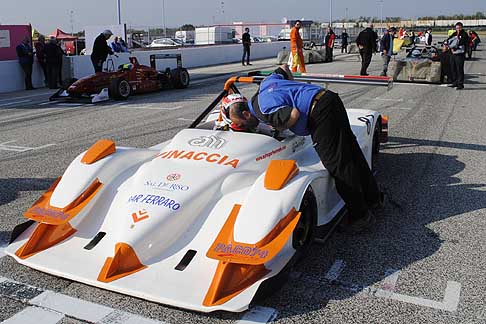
{"x": 278, "y": 96}
{"x": 25, "y": 53}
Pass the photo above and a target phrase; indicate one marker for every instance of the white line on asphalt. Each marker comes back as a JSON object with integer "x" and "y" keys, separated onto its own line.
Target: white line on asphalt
{"x": 46, "y": 302}
{"x": 15, "y": 148}
{"x": 32, "y": 96}
{"x": 185, "y": 119}
{"x": 34, "y": 315}
{"x": 391, "y": 280}
{"x": 2, "y": 251}
{"x": 14, "y": 102}
{"x": 449, "y": 303}
{"x": 335, "y": 270}
{"x": 151, "y": 108}
{"x": 70, "y": 306}
{"x": 120, "y": 317}
{"x": 45, "y": 103}
{"x": 258, "y": 314}
{"x": 384, "y": 99}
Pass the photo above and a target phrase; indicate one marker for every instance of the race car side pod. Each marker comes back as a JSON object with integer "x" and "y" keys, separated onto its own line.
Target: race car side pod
{"x": 332, "y": 78}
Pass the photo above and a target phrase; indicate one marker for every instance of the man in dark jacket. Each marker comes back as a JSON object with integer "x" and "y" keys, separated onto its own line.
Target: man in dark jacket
{"x": 25, "y": 54}
{"x": 366, "y": 42}
{"x": 54, "y": 55}
{"x": 458, "y": 43}
{"x": 344, "y": 41}
{"x": 329, "y": 40}
{"x": 307, "y": 109}
{"x": 41, "y": 55}
{"x": 246, "y": 39}
{"x": 386, "y": 48}
{"x": 101, "y": 50}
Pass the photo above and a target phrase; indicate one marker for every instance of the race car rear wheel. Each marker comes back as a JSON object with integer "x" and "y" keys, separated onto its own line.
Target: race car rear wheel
{"x": 120, "y": 89}
{"x": 180, "y": 78}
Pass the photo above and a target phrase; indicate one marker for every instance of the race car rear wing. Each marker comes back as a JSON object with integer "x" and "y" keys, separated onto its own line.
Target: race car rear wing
{"x": 258, "y": 76}
{"x": 155, "y": 57}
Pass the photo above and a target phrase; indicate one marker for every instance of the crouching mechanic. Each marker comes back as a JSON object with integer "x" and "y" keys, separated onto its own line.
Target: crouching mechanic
{"x": 309, "y": 109}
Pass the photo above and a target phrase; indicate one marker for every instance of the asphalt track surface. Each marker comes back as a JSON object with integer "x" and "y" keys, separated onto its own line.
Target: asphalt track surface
{"x": 422, "y": 262}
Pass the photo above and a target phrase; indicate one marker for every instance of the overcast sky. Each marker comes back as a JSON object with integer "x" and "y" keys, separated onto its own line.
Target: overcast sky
{"x": 46, "y": 15}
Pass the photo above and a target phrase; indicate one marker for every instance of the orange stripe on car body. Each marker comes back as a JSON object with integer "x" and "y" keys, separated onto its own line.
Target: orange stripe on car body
{"x": 124, "y": 262}
{"x": 43, "y": 212}
{"x": 98, "y": 151}
{"x": 43, "y": 237}
{"x": 241, "y": 264}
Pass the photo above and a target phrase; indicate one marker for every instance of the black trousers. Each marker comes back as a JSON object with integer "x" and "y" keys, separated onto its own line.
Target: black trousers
{"x": 328, "y": 54}
{"x": 457, "y": 69}
{"x": 366, "y": 56}
{"x": 53, "y": 75}
{"x": 27, "y": 67}
{"x": 340, "y": 153}
{"x": 344, "y": 48}
{"x": 97, "y": 64}
{"x": 246, "y": 52}
{"x": 43, "y": 66}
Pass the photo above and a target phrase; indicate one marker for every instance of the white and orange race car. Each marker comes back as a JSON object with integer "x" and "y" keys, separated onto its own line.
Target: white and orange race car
{"x": 203, "y": 221}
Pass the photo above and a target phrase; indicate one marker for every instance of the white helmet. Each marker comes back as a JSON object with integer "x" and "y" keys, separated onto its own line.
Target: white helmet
{"x": 226, "y": 104}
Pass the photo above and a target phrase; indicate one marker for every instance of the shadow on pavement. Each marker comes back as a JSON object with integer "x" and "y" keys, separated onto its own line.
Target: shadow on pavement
{"x": 12, "y": 186}
{"x": 421, "y": 189}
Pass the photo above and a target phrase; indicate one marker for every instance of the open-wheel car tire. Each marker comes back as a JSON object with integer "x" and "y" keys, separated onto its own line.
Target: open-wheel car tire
{"x": 120, "y": 89}
{"x": 180, "y": 78}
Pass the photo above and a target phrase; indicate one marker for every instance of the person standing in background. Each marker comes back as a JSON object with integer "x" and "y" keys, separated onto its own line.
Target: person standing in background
{"x": 296, "y": 46}
{"x": 330, "y": 38}
{"x": 246, "y": 40}
{"x": 458, "y": 43}
{"x": 41, "y": 55}
{"x": 428, "y": 37}
{"x": 101, "y": 50}
{"x": 344, "y": 41}
{"x": 366, "y": 42}
{"x": 386, "y": 48}
{"x": 25, "y": 54}
{"x": 54, "y": 56}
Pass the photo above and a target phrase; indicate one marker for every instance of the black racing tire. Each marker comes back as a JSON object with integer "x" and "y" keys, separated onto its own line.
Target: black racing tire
{"x": 303, "y": 234}
{"x": 180, "y": 78}
{"x": 302, "y": 238}
{"x": 376, "y": 138}
{"x": 120, "y": 89}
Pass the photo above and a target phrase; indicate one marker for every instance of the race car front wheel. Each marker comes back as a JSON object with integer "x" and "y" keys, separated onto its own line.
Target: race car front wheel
{"x": 180, "y": 78}
{"x": 120, "y": 89}
{"x": 304, "y": 231}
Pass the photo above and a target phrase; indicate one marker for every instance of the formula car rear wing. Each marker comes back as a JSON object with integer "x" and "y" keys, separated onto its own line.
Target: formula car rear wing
{"x": 258, "y": 76}
{"x": 155, "y": 57}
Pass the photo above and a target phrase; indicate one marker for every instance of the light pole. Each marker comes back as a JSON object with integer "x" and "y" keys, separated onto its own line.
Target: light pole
{"x": 119, "y": 11}
{"x": 330, "y": 13}
{"x": 381, "y": 15}
{"x": 71, "y": 13}
{"x": 163, "y": 17}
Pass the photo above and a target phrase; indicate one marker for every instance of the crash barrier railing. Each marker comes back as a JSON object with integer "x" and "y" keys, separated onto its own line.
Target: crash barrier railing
{"x": 155, "y": 57}
{"x": 258, "y": 76}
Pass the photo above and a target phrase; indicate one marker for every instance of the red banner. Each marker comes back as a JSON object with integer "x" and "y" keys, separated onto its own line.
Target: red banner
{"x": 10, "y": 37}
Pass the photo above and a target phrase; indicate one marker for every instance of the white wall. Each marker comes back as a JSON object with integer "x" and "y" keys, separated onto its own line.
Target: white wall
{"x": 12, "y": 77}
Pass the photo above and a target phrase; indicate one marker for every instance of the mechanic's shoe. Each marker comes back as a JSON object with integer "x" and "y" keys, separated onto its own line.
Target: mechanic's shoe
{"x": 380, "y": 204}
{"x": 451, "y": 85}
{"x": 249, "y": 64}
{"x": 243, "y": 64}
{"x": 357, "y": 226}
{"x": 382, "y": 74}
{"x": 460, "y": 88}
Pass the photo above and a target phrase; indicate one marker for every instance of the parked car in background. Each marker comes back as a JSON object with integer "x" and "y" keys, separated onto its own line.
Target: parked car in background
{"x": 269, "y": 38}
{"x": 164, "y": 42}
